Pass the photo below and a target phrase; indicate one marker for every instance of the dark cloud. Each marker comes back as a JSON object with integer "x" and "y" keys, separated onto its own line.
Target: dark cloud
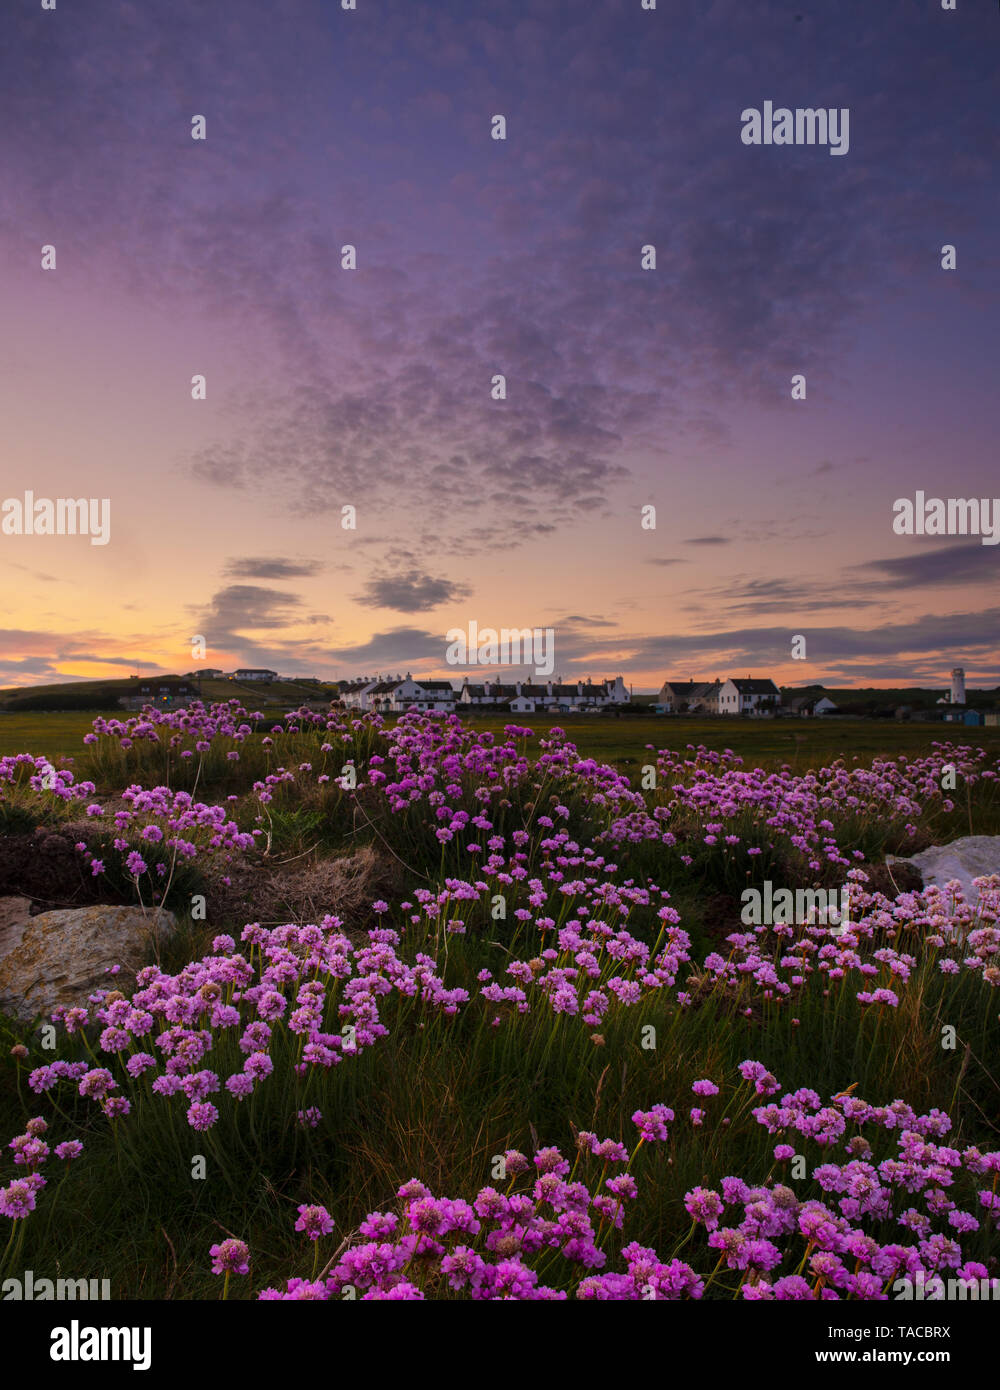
{"x": 858, "y": 656}
{"x": 968, "y": 562}
{"x": 241, "y": 608}
{"x": 251, "y": 568}
{"x": 97, "y": 658}
{"x": 748, "y": 597}
{"x": 409, "y": 592}
{"x": 35, "y": 668}
{"x": 398, "y": 647}
{"x": 931, "y": 644}
{"x": 576, "y": 620}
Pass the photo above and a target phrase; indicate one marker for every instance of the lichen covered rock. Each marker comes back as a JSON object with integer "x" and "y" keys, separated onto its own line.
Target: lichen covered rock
{"x": 62, "y": 957}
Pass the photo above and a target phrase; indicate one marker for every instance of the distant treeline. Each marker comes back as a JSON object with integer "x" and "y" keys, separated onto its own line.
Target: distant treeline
{"x": 873, "y": 700}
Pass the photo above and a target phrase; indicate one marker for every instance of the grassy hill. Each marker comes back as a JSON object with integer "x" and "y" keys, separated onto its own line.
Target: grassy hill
{"x": 101, "y": 695}
{"x": 917, "y": 697}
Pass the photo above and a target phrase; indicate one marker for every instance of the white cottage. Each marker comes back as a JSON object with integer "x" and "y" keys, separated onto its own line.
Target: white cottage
{"x": 748, "y": 696}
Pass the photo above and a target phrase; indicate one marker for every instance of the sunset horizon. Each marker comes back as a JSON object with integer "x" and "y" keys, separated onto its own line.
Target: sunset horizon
{"x": 351, "y": 366}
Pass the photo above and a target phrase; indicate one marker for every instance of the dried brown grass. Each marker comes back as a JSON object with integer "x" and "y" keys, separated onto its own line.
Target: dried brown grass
{"x": 306, "y": 890}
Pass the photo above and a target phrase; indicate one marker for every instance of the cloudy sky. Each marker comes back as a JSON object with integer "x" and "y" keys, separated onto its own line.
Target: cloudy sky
{"x": 371, "y": 388}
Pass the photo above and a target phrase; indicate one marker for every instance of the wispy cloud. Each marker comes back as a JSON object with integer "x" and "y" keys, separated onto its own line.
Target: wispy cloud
{"x": 251, "y": 568}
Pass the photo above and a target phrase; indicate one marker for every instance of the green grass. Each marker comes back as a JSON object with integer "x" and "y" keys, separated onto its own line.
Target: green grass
{"x": 767, "y": 743}
{"x": 802, "y": 743}
{"x": 52, "y": 735}
{"x": 439, "y": 1100}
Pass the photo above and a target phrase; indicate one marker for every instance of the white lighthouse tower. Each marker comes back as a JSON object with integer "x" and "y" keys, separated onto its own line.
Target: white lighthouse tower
{"x": 958, "y": 686}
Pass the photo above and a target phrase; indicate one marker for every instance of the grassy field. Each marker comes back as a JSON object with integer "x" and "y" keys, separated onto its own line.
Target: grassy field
{"x": 802, "y": 743}
{"x": 444, "y": 1094}
{"x": 56, "y": 734}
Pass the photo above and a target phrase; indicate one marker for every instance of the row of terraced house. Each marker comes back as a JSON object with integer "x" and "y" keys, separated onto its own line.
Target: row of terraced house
{"x": 392, "y": 696}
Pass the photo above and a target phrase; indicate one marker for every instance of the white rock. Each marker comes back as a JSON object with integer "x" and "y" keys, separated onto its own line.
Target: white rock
{"x": 966, "y": 859}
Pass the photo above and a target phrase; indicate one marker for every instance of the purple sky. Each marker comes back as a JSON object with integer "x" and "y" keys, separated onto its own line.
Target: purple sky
{"x": 371, "y": 388}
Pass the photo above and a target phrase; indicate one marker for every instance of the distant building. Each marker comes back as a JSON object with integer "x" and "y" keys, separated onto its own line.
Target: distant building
{"x": 959, "y": 715}
{"x": 550, "y": 695}
{"x": 690, "y": 697}
{"x": 488, "y": 693}
{"x": 958, "y": 686}
{"x": 434, "y": 694}
{"x": 992, "y": 717}
{"x": 253, "y": 673}
{"x": 748, "y": 696}
{"x": 738, "y": 695}
{"x": 395, "y": 696}
{"x": 355, "y": 693}
{"x": 390, "y": 696}
{"x": 167, "y": 690}
{"x": 167, "y": 685}
{"x": 809, "y": 705}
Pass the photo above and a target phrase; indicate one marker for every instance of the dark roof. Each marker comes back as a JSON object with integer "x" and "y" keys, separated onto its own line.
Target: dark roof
{"x": 689, "y": 690}
{"x": 436, "y": 685}
{"x": 752, "y": 686}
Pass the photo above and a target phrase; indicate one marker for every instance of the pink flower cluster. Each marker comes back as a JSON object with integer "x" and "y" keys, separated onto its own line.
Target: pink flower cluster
{"x": 21, "y": 771}
{"x": 224, "y": 720}
{"x": 709, "y": 800}
{"x": 430, "y": 1246}
{"x": 31, "y": 1151}
{"x": 309, "y": 1002}
{"x": 760, "y": 1240}
{"x": 888, "y": 941}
